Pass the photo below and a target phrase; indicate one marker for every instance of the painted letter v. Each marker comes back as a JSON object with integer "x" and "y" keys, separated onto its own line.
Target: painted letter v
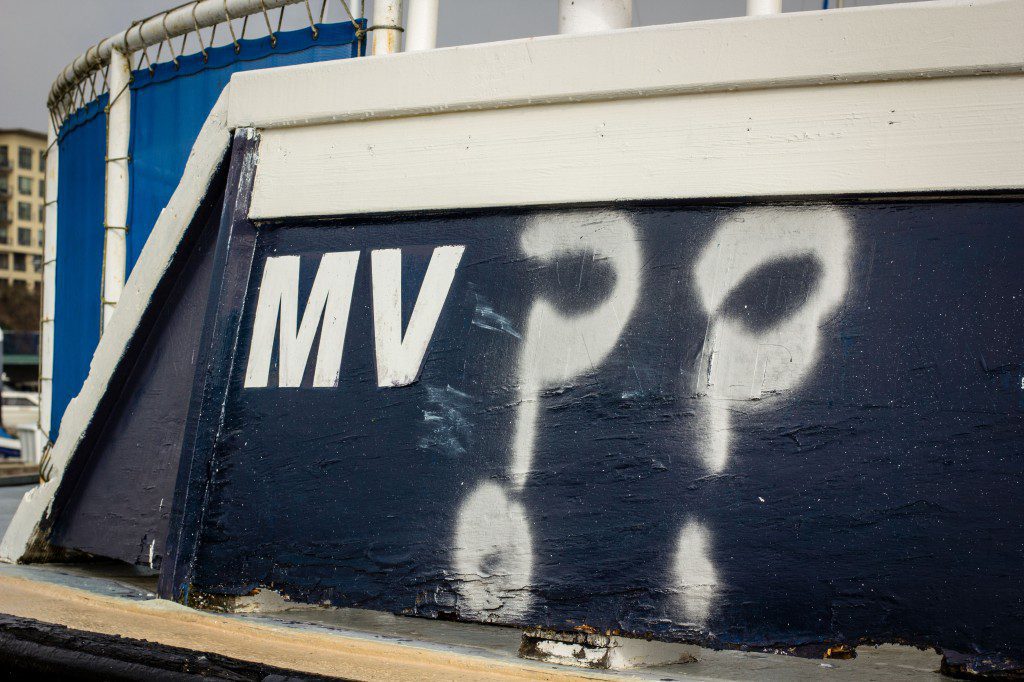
{"x": 400, "y": 359}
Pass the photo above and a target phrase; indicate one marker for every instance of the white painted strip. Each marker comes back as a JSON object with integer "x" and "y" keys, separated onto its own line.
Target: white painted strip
{"x": 891, "y": 42}
{"x": 207, "y": 153}
{"x": 930, "y": 135}
{"x": 115, "y": 211}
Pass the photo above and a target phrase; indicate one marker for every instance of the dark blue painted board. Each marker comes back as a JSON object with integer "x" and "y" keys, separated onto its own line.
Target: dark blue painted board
{"x": 116, "y": 495}
{"x": 872, "y": 492}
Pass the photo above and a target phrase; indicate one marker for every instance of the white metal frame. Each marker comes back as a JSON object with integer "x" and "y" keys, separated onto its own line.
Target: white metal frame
{"x": 49, "y": 282}
{"x": 939, "y": 110}
{"x": 115, "y": 205}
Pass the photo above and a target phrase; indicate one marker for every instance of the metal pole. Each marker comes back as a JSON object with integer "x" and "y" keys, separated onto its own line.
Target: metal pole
{"x": 387, "y": 27}
{"x": 422, "y": 25}
{"x": 588, "y": 16}
{"x": 116, "y": 195}
{"x": 759, "y": 7}
{"x": 49, "y": 283}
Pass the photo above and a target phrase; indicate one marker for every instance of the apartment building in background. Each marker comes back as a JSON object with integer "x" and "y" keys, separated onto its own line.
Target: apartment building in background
{"x": 22, "y": 209}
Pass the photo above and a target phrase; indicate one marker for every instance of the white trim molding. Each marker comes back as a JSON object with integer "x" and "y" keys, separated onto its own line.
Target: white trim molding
{"x": 940, "y": 39}
{"x": 866, "y": 138}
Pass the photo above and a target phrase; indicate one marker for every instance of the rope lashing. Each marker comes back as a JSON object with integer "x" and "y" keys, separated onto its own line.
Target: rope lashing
{"x": 266, "y": 18}
{"x": 360, "y": 33}
{"x": 144, "y": 50}
{"x": 312, "y": 24}
{"x": 195, "y": 22}
{"x": 227, "y": 18}
{"x": 170, "y": 45}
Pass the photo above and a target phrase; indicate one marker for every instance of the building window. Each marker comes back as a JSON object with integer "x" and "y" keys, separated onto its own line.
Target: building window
{"x": 25, "y": 158}
{"x": 42, "y": 188}
{"x": 24, "y": 236}
{"x": 19, "y": 262}
{"x": 42, "y": 213}
{"x": 3, "y": 211}
{"x": 41, "y": 236}
{"x": 4, "y": 261}
{"x": 37, "y": 263}
{"x": 24, "y": 185}
{"x": 3, "y": 234}
{"x": 42, "y": 160}
{"x": 3, "y": 155}
{"x": 24, "y": 210}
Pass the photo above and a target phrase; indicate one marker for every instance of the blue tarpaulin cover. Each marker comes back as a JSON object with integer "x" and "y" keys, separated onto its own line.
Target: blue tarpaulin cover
{"x": 169, "y": 105}
{"x": 82, "y": 145}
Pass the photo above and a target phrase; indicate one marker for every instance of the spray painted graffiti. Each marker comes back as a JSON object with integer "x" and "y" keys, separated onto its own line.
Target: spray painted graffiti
{"x": 492, "y": 541}
{"x": 744, "y": 359}
{"x": 740, "y": 362}
{"x": 628, "y": 418}
{"x": 747, "y": 358}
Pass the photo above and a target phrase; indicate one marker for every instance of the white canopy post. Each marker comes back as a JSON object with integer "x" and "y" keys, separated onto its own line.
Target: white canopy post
{"x": 386, "y": 27}
{"x": 422, "y": 25}
{"x": 49, "y": 282}
{"x": 760, "y": 7}
{"x": 115, "y": 212}
{"x": 590, "y": 16}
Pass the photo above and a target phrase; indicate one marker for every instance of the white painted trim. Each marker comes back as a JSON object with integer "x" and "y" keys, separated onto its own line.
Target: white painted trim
{"x": 868, "y": 44}
{"x": 49, "y": 281}
{"x": 206, "y": 156}
{"x": 911, "y": 136}
{"x": 115, "y": 205}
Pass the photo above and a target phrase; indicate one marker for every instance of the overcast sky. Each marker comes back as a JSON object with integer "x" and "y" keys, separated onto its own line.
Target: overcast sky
{"x": 39, "y": 37}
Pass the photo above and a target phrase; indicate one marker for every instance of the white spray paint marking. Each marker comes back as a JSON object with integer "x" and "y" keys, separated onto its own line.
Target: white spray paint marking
{"x": 399, "y": 359}
{"x": 152, "y": 551}
{"x": 558, "y": 347}
{"x": 740, "y": 365}
{"x": 737, "y": 364}
{"x": 493, "y": 556}
{"x": 329, "y": 301}
{"x": 695, "y": 573}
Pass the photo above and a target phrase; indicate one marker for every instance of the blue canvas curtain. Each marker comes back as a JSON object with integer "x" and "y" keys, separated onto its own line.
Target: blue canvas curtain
{"x": 168, "y": 107}
{"x": 82, "y": 145}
